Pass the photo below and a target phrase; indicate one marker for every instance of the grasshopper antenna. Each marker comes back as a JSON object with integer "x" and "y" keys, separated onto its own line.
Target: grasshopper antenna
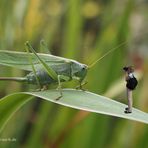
{"x": 111, "y": 50}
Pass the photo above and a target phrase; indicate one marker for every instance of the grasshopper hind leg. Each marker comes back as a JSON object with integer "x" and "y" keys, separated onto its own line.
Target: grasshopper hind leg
{"x": 33, "y": 68}
{"x": 44, "y": 87}
{"x": 61, "y": 95}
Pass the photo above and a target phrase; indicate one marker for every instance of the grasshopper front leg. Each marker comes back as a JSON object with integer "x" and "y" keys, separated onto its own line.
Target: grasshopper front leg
{"x": 81, "y": 84}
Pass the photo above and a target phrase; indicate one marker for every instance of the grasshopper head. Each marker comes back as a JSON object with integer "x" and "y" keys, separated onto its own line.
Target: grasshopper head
{"x": 79, "y": 70}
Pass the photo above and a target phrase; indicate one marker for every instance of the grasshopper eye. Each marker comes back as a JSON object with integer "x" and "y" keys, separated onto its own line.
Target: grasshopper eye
{"x": 84, "y": 67}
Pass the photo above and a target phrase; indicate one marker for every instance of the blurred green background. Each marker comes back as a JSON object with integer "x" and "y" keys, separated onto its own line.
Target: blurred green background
{"x": 82, "y": 30}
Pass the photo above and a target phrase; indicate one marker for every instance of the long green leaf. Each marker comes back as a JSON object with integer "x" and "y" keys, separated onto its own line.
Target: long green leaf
{"x": 71, "y": 98}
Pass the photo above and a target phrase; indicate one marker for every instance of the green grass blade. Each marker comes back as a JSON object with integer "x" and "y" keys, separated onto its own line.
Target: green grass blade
{"x": 71, "y": 98}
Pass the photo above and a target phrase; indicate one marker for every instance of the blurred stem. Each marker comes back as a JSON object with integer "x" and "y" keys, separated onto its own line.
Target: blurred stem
{"x": 73, "y": 29}
{"x": 36, "y": 134}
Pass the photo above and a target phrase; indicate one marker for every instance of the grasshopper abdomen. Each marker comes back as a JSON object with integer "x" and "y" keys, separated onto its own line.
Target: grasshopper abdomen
{"x": 42, "y": 76}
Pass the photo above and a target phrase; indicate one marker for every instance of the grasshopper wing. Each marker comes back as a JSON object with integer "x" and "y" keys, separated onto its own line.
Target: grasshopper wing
{"x": 20, "y": 60}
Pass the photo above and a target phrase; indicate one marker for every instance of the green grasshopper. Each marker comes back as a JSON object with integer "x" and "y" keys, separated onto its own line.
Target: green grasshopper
{"x": 57, "y": 70}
